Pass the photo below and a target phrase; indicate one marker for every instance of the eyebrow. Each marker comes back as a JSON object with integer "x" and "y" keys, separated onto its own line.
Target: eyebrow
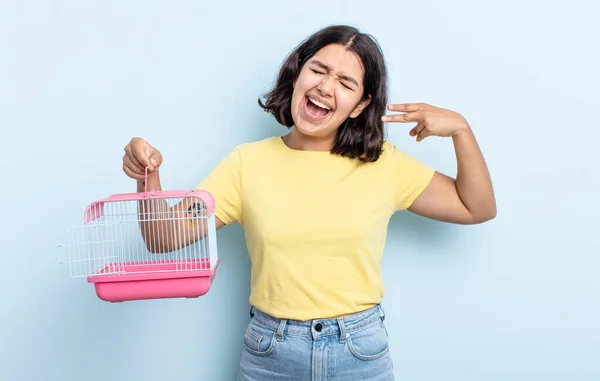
{"x": 343, "y": 76}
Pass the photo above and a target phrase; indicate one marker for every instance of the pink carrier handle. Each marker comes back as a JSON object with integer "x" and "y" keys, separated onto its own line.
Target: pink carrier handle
{"x": 146, "y": 180}
{"x": 95, "y": 209}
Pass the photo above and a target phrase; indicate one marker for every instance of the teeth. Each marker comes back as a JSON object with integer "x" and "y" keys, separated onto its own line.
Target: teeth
{"x": 319, "y": 104}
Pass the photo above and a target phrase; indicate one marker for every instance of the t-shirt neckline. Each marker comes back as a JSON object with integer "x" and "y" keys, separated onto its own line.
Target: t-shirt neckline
{"x": 285, "y": 147}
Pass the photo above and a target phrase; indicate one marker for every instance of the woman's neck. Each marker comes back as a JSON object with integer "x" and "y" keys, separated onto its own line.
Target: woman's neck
{"x": 298, "y": 141}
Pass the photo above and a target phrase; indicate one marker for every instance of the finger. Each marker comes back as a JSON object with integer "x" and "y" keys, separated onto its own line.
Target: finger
{"x": 131, "y": 174}
{"x": 422, "y": 134}
{"x": 420, "y": 138}
{"x": 132, "y": 166}
{"x": 156, "y": 158}
{"x": 129, "y": 151}
{"x": 133, "y": 170}
{"x": 402, "y": 118}
{"x": 405, "y": 107}
{"x": 139, "y": 152}
{"x": 135, "y": 161}
{"x": 415, "y": 131}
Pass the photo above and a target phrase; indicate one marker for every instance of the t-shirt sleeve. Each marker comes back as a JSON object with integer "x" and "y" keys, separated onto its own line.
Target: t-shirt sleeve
{"x": 224, "y": 183}
{"x": 409, "y": 177}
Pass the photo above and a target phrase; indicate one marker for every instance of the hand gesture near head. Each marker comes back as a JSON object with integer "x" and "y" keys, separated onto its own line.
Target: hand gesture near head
{"x": 431, "y": 120}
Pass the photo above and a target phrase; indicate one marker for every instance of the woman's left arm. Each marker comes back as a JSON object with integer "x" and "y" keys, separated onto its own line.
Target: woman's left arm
{"x": 468, "y": 199}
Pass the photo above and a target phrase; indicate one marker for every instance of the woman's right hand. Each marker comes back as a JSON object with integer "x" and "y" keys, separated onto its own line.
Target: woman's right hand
{"x": 139, "y": 154}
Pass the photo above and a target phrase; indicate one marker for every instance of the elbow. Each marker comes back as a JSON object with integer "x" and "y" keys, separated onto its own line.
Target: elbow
{"x": 156, "y": 249}
{"x": 484, "y": 217}
{"x": 152, "y": 249}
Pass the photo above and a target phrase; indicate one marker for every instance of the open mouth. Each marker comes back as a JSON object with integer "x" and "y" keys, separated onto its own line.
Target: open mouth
{"x": 316, "y": 109}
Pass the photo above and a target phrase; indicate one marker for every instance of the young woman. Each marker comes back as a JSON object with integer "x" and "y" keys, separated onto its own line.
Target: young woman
{"x": 315, "y": 206}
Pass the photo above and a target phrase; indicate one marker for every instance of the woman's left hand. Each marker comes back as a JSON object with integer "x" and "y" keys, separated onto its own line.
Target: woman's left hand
{"x": 431, "y": 120}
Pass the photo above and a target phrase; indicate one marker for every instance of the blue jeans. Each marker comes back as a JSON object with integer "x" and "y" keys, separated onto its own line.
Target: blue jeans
{"x": 351, "y": 348}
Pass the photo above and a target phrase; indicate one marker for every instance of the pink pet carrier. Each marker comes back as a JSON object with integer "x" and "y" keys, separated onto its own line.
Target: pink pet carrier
{"x": 145, "y": 245}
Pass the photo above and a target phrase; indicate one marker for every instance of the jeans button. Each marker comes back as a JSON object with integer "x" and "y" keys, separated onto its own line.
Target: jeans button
{"x": 318, "y": 327}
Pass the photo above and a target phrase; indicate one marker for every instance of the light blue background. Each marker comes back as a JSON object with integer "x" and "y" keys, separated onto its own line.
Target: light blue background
{"x": 513, "y": 299}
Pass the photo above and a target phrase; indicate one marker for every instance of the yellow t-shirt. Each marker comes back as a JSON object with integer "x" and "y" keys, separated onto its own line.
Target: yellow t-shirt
{"x": 315, "y": 223}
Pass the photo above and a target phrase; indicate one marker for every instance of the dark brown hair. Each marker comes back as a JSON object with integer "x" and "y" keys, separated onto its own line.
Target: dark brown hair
{"x": 361, "y": 137}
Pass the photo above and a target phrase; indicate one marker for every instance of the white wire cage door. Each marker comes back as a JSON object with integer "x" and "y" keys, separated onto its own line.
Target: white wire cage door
{"x": 146, "y": 245}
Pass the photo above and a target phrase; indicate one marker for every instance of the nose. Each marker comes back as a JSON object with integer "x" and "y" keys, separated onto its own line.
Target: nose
{"x": 326, "y": 86}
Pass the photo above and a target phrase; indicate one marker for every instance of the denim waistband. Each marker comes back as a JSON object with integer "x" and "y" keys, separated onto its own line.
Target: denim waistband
{"x": 320, "y": 327}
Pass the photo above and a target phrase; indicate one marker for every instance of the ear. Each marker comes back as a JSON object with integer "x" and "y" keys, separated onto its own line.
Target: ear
{"x": 360, "y": 107}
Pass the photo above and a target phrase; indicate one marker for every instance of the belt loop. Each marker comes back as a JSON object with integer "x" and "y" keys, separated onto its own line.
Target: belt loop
{"x": 381, "y": 312}
{"x": 342, "y": 326}
{"x": 280, "y": 328}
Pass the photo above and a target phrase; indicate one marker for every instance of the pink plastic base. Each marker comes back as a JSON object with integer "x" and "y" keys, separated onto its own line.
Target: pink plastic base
{"x": 167, "y": 283}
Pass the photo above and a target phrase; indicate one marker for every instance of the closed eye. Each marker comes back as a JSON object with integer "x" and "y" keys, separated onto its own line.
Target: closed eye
{"x": 343, "y": 79}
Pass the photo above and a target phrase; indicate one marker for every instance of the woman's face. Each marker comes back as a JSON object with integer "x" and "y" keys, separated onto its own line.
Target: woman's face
{"x": 328, "y": 90}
